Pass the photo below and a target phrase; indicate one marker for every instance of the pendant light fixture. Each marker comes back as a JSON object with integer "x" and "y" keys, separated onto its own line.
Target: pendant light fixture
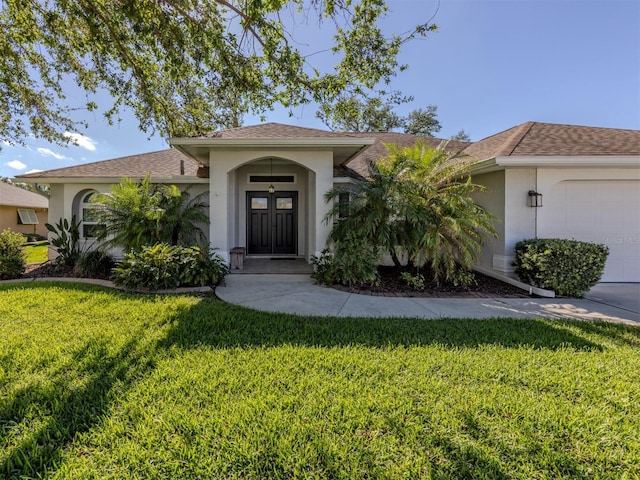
{"x": 271, "y": 188}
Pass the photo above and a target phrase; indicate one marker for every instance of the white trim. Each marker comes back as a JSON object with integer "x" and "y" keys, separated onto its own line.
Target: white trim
{"x": 541, "y": 292}
{"x": 503, "y": 263}
{"x": 578, "y": 161}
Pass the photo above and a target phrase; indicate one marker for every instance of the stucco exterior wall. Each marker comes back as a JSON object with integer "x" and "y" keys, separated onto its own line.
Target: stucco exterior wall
{"x": 506, "y": 197}
{"x": 9, "y": 219}
{"x": 492, "y": 199}
{"x": 519, "y": 217}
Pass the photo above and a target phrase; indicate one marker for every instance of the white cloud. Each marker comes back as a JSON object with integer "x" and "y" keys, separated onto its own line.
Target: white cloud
{"x": 34, "y": 170}
{"x": 16, "y": 165}
{"x": 51, "y": 153}
{"x": 81, "y": 140}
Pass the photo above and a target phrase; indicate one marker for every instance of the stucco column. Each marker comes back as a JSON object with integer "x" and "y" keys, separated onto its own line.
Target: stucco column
{"x": 219, "y": 206}
{"x": 323, "y": 183}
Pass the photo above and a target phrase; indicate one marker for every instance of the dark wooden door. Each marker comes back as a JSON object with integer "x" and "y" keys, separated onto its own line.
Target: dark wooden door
{"x": 272, "y": 223}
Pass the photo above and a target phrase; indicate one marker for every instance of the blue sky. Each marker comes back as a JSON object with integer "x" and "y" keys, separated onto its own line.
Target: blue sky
{"x": 492, "y": 65}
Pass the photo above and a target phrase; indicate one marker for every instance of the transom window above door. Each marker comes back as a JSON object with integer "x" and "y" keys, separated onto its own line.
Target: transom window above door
{"x": 280, "y": 178}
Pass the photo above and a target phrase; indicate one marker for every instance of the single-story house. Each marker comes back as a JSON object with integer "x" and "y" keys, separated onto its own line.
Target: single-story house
{"x": 267, "y": 182}
{"x": 23, "y": 211}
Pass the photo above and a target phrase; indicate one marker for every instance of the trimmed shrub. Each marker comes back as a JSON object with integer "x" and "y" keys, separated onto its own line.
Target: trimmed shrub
{"x": 164, "y": 266}
{"x": 569, "y": 267}
{"x": 12, "y": 258}
{"x": 353, "y": 264}
{"x": 94, "y": 264}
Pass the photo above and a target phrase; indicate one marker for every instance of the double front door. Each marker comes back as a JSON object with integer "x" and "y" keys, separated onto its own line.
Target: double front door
{"x": 272, "y": 223}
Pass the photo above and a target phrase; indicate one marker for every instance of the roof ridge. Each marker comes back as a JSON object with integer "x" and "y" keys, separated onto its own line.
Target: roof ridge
{"x": 514, "y": 140}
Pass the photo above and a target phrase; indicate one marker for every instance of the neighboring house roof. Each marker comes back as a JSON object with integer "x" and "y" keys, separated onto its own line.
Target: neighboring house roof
{"x": 19, "y": 197}
{"x": 549, "y": 139}
{"x": 164, "y": 164}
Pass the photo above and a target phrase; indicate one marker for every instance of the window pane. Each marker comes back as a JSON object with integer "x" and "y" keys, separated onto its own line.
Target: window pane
{"x": 271, "y": 179}
{"x": 89, "y": 231}
{"x": 284, "y": 203}
{"x": 89, "y": 215}
{"x": 343, "y": 205}
{"x": 259, "y": 204}
{"x": 90, "y": 197}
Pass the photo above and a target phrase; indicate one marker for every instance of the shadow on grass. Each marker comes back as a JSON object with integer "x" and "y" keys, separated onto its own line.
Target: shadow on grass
{"x": 80, "y": 393}
{"x": 74, "y": 398}
{"x": 217, "y": 324}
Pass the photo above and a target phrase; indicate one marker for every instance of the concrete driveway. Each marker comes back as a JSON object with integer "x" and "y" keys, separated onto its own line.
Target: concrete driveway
{"x": 621, "y": 295}
{"x": 298, "y": 294}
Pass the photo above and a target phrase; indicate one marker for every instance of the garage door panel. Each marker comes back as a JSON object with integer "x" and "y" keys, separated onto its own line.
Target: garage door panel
{"x": 605, "y": 212}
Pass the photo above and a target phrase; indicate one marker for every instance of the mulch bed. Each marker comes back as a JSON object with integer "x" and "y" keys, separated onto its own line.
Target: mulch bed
{"x": 392, "y": 285}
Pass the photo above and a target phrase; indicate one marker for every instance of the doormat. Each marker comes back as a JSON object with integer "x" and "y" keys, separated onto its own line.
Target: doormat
{"x": 282, "y": 258}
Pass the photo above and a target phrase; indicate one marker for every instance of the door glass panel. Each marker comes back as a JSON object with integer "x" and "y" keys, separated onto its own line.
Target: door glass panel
{"x": 284, "y": 203}
{"x": 259, "y": 203}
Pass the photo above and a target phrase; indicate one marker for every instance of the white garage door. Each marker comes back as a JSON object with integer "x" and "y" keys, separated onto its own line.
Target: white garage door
{"x": 598, "y": 211}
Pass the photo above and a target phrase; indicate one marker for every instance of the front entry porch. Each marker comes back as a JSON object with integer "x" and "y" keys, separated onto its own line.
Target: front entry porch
{"x": 275, "y": 265}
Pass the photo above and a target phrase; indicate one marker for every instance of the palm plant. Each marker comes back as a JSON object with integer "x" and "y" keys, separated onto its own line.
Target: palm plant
{"x": 417, "y": 205}
{"x": 183, "y": 216}
{"x": 138, "y": 214}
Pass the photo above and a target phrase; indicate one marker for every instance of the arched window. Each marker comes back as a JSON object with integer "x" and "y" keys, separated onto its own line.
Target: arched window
{"x": 87, "y": 212}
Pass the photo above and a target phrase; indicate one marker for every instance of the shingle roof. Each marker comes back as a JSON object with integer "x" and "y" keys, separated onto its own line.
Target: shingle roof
{"x": 18, "y": 197}
{"x": 276, "y": 130}
{"x": 527, "y": 139}
{"x": 360, "y": 163}
{"x": 161, "y": 164}
{"x": 549, "y": 139}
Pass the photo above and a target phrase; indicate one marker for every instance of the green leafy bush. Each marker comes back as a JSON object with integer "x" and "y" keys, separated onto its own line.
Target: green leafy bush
{"x": 416, "y": 282}
{"x": 12, "y": 258}
{"x": 164, "y": 266}
{"x": 352, "y": 263}
{"x": 94, "y": 264}
{"x": 569, "y": 267}
{"x": 67, "y": 241}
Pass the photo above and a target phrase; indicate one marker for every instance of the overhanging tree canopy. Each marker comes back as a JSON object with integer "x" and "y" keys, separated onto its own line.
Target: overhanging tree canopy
{"x": 183, "y": 67}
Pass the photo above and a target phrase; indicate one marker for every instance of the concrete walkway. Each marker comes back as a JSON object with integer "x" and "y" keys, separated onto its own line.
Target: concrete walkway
{"x": 298, "y": 294}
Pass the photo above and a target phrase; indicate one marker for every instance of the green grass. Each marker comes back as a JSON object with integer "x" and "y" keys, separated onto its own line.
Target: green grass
{"x": 101, "y": 384}
{"x": 36, "y": 253}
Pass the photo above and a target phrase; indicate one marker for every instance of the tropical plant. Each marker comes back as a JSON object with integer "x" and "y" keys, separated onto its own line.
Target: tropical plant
{"x": 352, "y": 262}
{"x": 163, "y": 266}
{"x": 94, "y": 264}
{"x": 138, "y": 214}
{"x": 12, "y": 257}
{"x": 417, "y": 205}
{"x": 67, "y": 240}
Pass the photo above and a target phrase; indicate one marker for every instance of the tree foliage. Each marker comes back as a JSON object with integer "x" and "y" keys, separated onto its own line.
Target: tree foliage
{"x": 351, "y": 113}
{"x": 417, "y": 206}
{"x": 138, "y": 214}
{"x": 183, "y": 68}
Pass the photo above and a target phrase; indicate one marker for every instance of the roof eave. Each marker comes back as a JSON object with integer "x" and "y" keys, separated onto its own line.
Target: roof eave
{"x": 555, "y": 161}
{"x": 178, "y": 179}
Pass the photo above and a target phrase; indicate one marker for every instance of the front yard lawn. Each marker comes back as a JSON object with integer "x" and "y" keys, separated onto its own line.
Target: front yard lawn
{"x": 101, "y": 384}
{"x": 36, "y": 252}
